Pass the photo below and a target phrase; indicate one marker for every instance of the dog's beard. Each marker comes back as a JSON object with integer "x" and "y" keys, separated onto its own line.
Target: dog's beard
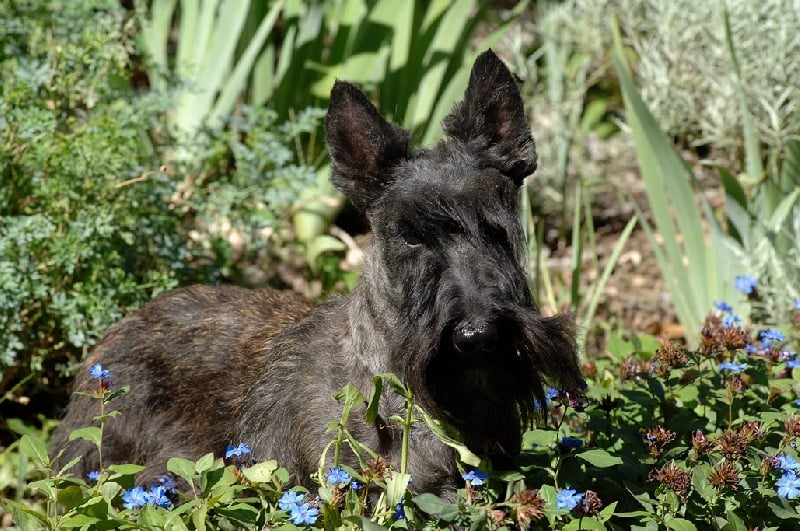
{"x": 530, "y": 352}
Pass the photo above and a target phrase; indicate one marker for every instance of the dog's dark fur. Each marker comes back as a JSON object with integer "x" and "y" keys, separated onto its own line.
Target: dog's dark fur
{"x": 443, "y": 302}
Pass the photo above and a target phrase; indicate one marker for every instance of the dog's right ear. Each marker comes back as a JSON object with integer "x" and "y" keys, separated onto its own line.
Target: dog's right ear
{"x": 362, "y": 144}
{"x": 491, "y": 122}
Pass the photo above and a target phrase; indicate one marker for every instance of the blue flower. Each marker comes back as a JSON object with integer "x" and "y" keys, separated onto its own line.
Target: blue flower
{"x": 399, "y": 512}
{"x": 750, "y": 349}
{"x": 291, "y": 499}
{"x": 167, "y": 482}
{"x": 769, "y": 336}
{"x": 159, "y": 495}
{"x": 797, "y": 304}
{"x": 731, "y": 321}
{"x": 305, "y": 514}
{"x": 475, "y": 477}
{"x": 745, "y": 283}
{"x": 571, "y": 442}
{"x": 96, "y": 371}
{"x": 338, "y": 475}
{"x": 787, "y": 462}
{"x": 793, "y": 362}
{"x": 238, "y": 451}
{"x": 93, "y": 475}
{"x": 788, "y": 486}
{"x": 723, "y": 306}
{"x": 355, "y": 485}
{"x": 567, "y": 499}
{"x": 734, "y": 368}
{"x": 136, "y": 497}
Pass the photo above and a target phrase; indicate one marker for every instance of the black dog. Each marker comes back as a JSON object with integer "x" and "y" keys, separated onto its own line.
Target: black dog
{"x": 444, "y": 303}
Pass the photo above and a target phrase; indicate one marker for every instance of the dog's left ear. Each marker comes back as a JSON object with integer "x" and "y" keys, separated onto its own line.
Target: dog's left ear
{"x": 491, "y": 119}
{"x": 362, "y": 144}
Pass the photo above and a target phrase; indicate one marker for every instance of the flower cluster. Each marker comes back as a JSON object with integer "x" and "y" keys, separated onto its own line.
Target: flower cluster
{"x": 670, "y": 356}
{"x": 103, "y": 377}
{"x": 788, "y": 486}
{"x": 556, "y": 397}
{"x": 527, "y": 506}
{"x": 159, "y": 495}
{"x": 475, "y": 477}
{"x": 587, "y": 503}
{"x": 747, "y": 284}
{"x": 569, "y": 443}
{"x": 675, "y": 479}
{"x": 238, "y": 455}
{"x": 300, "y": 512}
{"x": 239, "y": 451}
{"x": 568, "y": 499}
{"x": 722, "y": 331}
{"x": 338, "y": 476}
{"x": 725, "y": 475}
{"x": 657, "y": 439}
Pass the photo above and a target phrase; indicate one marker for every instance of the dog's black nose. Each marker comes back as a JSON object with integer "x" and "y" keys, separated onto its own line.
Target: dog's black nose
{"x": 470, "y": 337}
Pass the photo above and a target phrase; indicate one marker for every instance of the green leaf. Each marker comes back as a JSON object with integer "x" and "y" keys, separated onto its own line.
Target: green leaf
{"x": 70, "y": 496}
{"x": 46, "y": 486}
{"x": 396, "y": 385}
{"x": 69, "y": 465}
{"x": 114, "y": 394}
{"x": 260, "y": 472}
{"x": 702, "y": 484}
{"x": 125, "y": 469}
{"x": 90, "y": 433}
{"x": 374, "y": 399}
{"x": 396, "y": 487}
{"x": 33, "y": 447}
{"x": 204, "y": 463}
{"x": 77, "y": 520}
{"x": 430, "y": 503}
{"x": 679, "y": 524}
{"x": 600, "y": 458}
{"x": 734, "y": 522}
{"x": 782, "y": 512}
{"x": 199, "y": 517}
{"x": 465, "y": 455}
{"x": 109, "y": 490}
{"x": 351, "y": 397}
{"x": 181, "y": 467}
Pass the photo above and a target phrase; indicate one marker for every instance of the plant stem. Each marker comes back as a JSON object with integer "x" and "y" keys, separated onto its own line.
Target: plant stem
{"x": 406, "y": 432}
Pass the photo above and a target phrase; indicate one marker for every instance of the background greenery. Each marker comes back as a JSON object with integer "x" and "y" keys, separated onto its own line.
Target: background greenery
{"x": 168, "y": 143}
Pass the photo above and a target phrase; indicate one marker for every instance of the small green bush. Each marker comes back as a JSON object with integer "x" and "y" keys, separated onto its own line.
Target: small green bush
{"x": 91, "y": 224}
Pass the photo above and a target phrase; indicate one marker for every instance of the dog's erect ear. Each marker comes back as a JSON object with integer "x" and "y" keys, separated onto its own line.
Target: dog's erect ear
{"x": 491, "y": 119}
{"x": 363, "y": 146}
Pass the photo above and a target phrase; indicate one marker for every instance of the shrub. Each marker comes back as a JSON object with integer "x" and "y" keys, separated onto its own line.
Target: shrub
{"x": 92, "y": 225}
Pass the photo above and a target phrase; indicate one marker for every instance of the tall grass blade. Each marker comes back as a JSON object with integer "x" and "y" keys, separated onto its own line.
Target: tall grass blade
{"x": 237, "y": 82}
{"x": 600, "y": 285}
{"x": 692, "y": 272}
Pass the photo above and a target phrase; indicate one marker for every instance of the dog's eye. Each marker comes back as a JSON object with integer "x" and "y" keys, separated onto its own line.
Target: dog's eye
{"x": 411, "y": 239}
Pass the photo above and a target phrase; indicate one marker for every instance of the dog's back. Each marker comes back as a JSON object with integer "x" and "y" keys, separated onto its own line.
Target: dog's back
{"x": 185, "y": 344}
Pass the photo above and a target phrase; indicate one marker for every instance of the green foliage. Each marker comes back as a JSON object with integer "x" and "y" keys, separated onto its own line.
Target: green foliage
{"x": 683, "y": 63}
{"x": 91, "y": 223}
{"x": 761, "y": 231}
{"x": 413, "y": 58}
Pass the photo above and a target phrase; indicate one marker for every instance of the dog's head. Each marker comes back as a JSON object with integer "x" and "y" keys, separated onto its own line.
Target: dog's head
{"x": 447, "y": 271}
